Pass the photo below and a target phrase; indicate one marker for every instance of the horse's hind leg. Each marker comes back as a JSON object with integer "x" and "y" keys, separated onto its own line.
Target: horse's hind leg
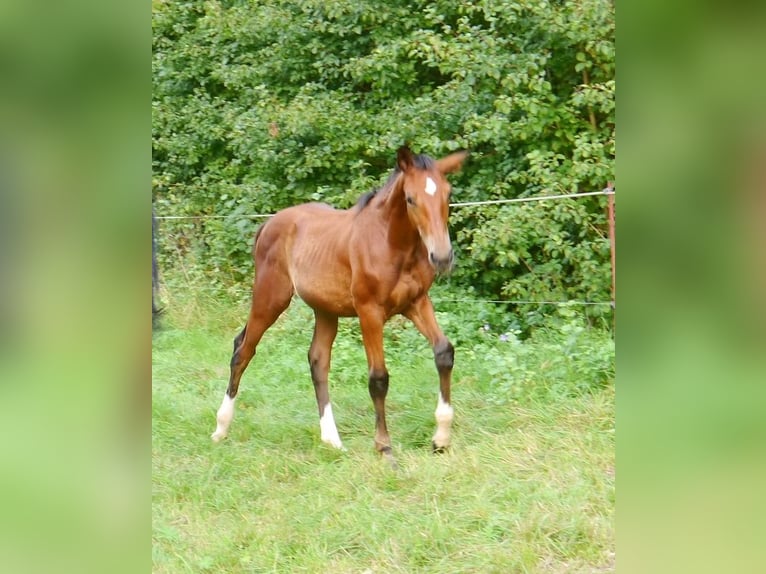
{"x": 271, "y": 296}
{"x": 325, "y": 329}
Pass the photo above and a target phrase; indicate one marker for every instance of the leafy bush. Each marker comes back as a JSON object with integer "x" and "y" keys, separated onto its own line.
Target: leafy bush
{"x": 566, "y": 357}
{"x": 258, "y": 106}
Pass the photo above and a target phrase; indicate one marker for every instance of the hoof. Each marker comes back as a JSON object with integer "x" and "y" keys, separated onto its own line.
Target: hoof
{"x": 335, "y": 445}
{"x": 438, "y": 449}
{"x": 389, "y": 458}
{"x": 333, "y": 441}
{"x": 218, "y": 436}
{"x": 391, "y": 461}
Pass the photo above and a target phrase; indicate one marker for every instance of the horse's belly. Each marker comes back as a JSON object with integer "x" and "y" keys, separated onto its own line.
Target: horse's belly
{"x": 330, "y": 296}
{"x": 319, "y": 269}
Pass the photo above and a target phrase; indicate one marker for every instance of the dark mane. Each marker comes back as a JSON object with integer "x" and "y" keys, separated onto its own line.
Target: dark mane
{"x": 366, "y": 198}
{"x": 423, "y": 162}
{"x": 420, "y": 161}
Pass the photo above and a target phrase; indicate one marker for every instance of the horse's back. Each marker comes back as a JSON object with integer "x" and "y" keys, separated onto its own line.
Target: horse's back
{"x": 290, "y": 222}
{"x": 307, "y": 222}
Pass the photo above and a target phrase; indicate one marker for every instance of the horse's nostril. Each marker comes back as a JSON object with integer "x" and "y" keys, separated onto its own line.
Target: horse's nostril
{"x": 441, "y": 263}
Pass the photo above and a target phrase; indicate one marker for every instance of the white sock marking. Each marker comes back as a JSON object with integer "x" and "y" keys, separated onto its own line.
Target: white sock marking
{"x": 444, "y": 411}
{"x": 328, "y": 428}
{"x": 223, "y": 418}
{"x": 430, "y": 186}
{"x": 444, "y": 414}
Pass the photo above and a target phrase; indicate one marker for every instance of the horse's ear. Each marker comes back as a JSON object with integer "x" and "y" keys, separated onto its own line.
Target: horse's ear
{"x": 404, "y": 158}
{"x": 451, "y": 163}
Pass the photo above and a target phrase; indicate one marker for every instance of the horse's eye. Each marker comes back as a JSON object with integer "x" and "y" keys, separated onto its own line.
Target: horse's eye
{"x": 410, "y": 200}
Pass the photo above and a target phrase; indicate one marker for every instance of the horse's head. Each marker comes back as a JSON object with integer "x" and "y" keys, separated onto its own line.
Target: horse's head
{"x": 427, "y": 193}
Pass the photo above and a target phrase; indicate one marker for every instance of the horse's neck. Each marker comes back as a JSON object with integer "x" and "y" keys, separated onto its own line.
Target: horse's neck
{"x": 393, "y": 211}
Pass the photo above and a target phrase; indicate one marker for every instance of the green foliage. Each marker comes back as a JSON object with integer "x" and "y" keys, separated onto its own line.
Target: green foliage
{"x": 565, "y": 358}
{"x": 517, "y": 253}
{"x": 258, "y": 106}
{"x": 528, "y": 485}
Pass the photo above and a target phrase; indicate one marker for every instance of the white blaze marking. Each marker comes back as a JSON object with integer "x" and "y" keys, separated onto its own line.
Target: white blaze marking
{"x": 223, "y": 418}
{"x": 328, "y": 428}
{"x": 430, "y": 186}
{"x": 444, "y": 414}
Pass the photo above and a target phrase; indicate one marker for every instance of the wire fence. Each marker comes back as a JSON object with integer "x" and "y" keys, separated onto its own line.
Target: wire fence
{"x": 607, "y": 191}
{"x": 523, "y": 302}
{"x": 246, "y": 289}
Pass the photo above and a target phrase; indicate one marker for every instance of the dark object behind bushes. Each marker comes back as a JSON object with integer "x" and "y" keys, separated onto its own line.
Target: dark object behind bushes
{"x": 156, "y": 310}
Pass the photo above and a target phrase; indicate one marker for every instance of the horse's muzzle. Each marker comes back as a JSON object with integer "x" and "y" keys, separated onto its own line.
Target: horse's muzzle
{"x": 443, "y": 265}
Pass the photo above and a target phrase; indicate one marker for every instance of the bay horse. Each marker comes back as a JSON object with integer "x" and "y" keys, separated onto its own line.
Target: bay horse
{"x": 372, "y": 261}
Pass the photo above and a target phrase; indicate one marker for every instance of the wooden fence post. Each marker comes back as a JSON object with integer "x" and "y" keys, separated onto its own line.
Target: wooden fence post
{"x": 610, "y": 208}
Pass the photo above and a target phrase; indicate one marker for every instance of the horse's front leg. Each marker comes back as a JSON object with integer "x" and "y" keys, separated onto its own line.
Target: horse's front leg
{"x": 421, "y": 313}
{"x": 371, "y": 320}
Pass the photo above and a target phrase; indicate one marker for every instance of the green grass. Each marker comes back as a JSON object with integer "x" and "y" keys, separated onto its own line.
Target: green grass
{"x": 528, "y": 485}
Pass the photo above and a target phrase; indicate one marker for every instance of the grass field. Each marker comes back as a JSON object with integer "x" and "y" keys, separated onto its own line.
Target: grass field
{"x": 528, "y": 485}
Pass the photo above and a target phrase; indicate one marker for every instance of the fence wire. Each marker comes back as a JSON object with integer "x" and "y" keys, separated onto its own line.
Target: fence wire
{"x": 606, "y": 191}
